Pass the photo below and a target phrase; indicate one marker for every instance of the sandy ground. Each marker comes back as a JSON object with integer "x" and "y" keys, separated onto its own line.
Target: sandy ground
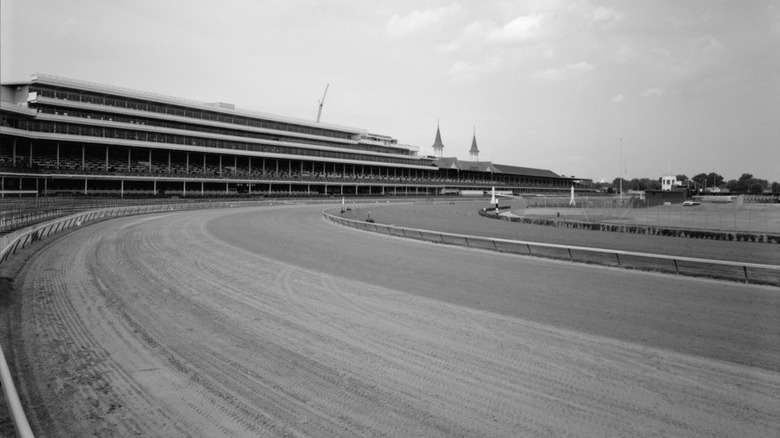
{"x": 273, "y": 322}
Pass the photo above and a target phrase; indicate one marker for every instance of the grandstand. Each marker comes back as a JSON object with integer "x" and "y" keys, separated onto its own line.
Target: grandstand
{"x": 65, "y": 136}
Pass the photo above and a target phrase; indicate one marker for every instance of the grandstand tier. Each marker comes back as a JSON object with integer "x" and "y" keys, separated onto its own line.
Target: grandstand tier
{"x": 64, "y": 136}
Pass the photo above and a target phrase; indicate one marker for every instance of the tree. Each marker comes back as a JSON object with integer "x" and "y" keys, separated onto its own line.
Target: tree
{"x": 755, "y": 187}
{"x": 747, "y": 184}
{"x": 651, "y": 184}
{"x": 616, "y": 184}
{"x": 700, "y": 180}
{"x": 704, "y": 180}
{"x": 715, "y": 179}
{"x": 775, "y": 187}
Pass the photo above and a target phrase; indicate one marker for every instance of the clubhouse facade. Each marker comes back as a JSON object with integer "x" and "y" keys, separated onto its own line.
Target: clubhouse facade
{"x": 65, "y": 136}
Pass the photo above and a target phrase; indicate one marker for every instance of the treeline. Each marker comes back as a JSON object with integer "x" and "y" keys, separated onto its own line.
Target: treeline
{"x": 746, "y": 183}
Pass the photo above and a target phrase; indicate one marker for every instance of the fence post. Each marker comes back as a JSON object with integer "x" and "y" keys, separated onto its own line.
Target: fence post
{"x": 617, "y": 256}
{"x": 744, "y": 268}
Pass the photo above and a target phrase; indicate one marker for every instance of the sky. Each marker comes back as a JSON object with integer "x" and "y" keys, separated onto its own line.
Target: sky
{"x": 592, "y": 89}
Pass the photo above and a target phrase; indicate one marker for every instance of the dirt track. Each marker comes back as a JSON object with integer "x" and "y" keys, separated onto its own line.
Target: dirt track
{"x": 272, "y": 322}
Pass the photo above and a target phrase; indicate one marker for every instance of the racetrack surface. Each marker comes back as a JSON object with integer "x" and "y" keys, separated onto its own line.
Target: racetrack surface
{"x": 273, "y": 322}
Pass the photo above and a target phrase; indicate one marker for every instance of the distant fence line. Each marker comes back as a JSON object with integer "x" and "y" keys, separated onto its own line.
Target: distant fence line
{"x": 642, "y": 229}
{"x": 736, "y": 271}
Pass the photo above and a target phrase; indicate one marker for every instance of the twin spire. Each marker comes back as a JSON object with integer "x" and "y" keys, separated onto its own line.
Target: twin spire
{"x": 438, "y": 146}
{"x": 474, "y": 152}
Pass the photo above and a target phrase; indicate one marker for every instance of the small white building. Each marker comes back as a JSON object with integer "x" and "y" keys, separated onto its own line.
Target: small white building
{"x": 670, "y": 182}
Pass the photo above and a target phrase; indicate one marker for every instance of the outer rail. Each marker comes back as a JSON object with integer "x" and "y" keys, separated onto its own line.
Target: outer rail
{"x": 17, "y": 413}
{"x": 612, "y": 257}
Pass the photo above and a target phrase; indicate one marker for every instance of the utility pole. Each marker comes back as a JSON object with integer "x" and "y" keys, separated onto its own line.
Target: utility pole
{"x": 620, "y": 171}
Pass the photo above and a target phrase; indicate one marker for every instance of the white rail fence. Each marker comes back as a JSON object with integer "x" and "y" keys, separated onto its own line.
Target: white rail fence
{"x": 721, "y": 269}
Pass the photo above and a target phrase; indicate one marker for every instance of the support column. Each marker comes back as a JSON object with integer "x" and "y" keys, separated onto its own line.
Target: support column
{"x": 85, "y": 186}
{"x": 187, "y": 166}
{"x": 227, "y": 187}
{"x": 107, "y": 158}
{"x": 220, "y": 164}
{"x": 250, "y": 166}
{"x": 129, "y": 151}
{"x": 83, "y": 156}
{"x": 169, "y": 161}
{"x": 201, "y": 185}
{"x": 184, "y": 188}
{"x": 150, "y": 161}
{"x": 58, "y": 154}
{"x": 31, "y": 154}
{"x": 122, "y": 188}
{"x": 155, "y": 187}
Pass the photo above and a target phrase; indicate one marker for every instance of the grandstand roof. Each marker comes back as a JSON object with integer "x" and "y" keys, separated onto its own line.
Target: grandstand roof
{"x": 529, "y": 171}
{"x": 454, "y": 163}
{"x": 487, "y": 166}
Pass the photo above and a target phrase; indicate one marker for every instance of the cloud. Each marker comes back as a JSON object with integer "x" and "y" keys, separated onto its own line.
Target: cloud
{"x": 420, "y": 20}
{"x": 619, "y": 98}
{"x": 606, "y": 17}
{"x": 650, "y": 92}
{"x": 522, "y": 28}
{"x": 566, "y": 72}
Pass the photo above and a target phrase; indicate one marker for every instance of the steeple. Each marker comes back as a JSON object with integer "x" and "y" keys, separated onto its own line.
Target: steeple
{"x": 474, "y": 152}
{"x": 438, "y": 146}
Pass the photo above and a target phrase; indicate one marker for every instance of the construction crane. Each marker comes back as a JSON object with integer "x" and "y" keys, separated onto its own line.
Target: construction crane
{"x": 322, "y": 102}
